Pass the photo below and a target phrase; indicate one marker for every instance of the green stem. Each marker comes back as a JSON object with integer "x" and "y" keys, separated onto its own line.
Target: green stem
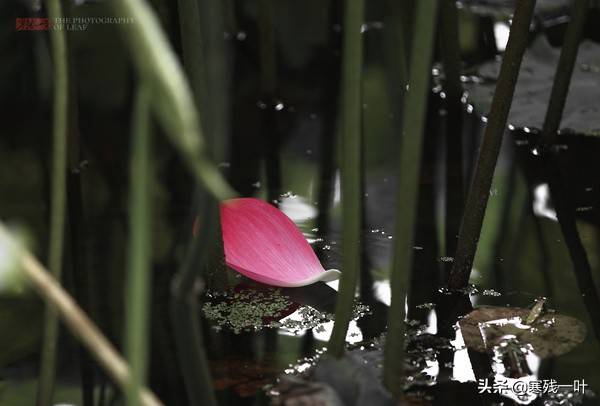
{"x": 564, "y": 71}
{"x": 268, "y": 63}
{"x": 210, "y": 93}
{"x": 450, "y": 52}
{"x": 479, "y": 192}
{"x": 413, "y": 121}
{"x": 351, "y": 144}
{"x": 138, "y": 285}
{"x": 58, "y": 199}
{"x": 174, "y": 105}
{"x": 75, "y": 319}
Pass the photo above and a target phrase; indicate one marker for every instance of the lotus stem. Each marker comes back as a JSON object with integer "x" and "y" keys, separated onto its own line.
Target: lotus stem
{"x": 479, "y": 191}
{"x": 140, "y": 255}
{"x": 351, "y": 149}
{"x": 564, "y": 71}
{"x": 174, "y": 105}
{"x": 58, "y": 199}
{"x": 413, "y": 123}
{"x": 74, "y": 317}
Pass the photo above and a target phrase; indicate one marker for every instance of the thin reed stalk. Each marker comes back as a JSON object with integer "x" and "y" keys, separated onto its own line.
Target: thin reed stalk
{"x": 479, "y": 191}
{"x": 450, "y": 52}
{"x": 351, "y": 149}
{"x": 138, "y": 284}
{"x": 75, "y": 319}
{"x": 564, "y": 71}
{"x": 58, "y": 199}
{"x": 210, "y": 96}
{"x": 174, "y": 105}
{"x": 409, "y": 161}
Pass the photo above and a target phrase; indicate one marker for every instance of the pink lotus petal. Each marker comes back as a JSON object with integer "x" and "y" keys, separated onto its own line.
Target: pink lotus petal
{"x": 263, "y": 244}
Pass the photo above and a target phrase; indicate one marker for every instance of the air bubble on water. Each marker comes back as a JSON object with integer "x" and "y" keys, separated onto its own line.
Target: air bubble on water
{"x": 314, "y": 230}
{"x": 279, "y": 106}
{"x": 240, "y": 36}
{"x": 390, "y": 237}
{"x": 256, "y": 184}
{"x": 484, "y": 119}
{"x": 527, "y": 130}
{"x": 288, "y": 195}
{"x": 511, "y": 127}
{"x": 491, "y": 292}
{"x": 469, "y": 108}
{"x": 443, "y": 95}
{"x": 535, "y": 151}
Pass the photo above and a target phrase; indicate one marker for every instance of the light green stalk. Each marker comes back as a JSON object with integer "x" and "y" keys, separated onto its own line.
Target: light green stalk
{"x": 74, "y": 318}
{"x": 351, "y": 149}
{"x": 174, "y": 105}
{"x": 413, "y": 122}
{"x": 58, "y": 198}
{"x": 138, "y": 285}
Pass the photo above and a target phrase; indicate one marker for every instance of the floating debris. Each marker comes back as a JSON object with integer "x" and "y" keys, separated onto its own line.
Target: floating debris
{"x": 549, "y": 335}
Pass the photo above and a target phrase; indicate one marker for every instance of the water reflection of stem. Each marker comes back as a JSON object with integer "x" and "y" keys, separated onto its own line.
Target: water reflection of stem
{"x": 58, "y": 199}
{"x": 479, "y": 192}
{"x": 415, "y": 105}
{"x": 188, "y": 333}
{"x": 351, "y": 148}
{"x": 564, "y": 71}
{"x": 565, "y": 213}
{"x": 565, "y": 210}
{"x": 138, "y": 283}
{"x": 75, "y": 319}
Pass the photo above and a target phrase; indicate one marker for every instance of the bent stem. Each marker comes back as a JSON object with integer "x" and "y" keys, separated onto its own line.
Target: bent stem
{"x": 58, "y": 199}
{"x": 138, "y": 285}
{"x": 351, "y": 143}
{"x": 174, "y": 105}
{"x": 413, "y": 121}
{"x": 479, "y": 192}
{"x": 76, "y": 320}
{"x": 564, "y": 71}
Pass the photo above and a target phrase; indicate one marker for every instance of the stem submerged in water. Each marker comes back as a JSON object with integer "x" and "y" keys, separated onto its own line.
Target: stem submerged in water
{"x": 479, "y": 192}
{"x": 413, "y": 121}
{"x": 351, "y": 148}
